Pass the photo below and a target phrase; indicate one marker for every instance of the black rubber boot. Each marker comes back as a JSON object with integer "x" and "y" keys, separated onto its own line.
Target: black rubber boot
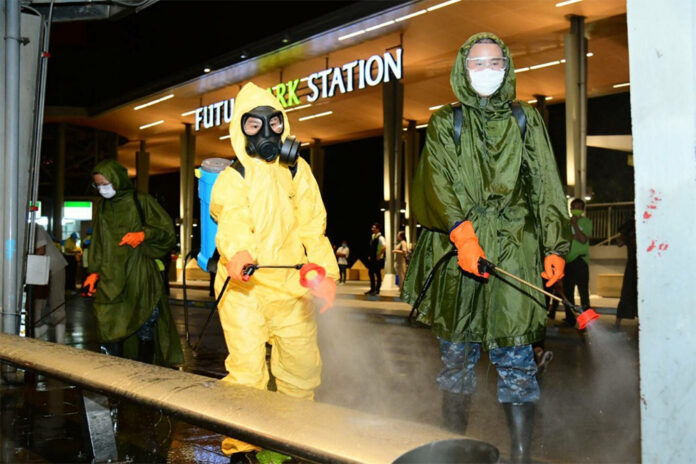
{"x": 520, "y": 420}
{"x": 146, "y": 351}
{"x": 455, "y": 411}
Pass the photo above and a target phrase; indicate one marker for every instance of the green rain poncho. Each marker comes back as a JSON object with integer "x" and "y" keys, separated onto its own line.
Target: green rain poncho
{"x": 130, "y": 282}
{"x": 510, "y": 190}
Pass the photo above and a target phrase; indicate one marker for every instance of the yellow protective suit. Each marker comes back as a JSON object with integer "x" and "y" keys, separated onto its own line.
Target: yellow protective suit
{"x": 275, "y": 217}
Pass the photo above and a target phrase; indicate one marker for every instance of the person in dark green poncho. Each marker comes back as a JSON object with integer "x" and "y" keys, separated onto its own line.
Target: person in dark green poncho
{"x": 494, "y": 192}
{"x": 131, "y": 231}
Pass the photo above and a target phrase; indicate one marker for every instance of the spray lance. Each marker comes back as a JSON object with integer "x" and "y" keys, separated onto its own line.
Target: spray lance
{"x": 312, "y": 276}
{"x": 485, "y": 267}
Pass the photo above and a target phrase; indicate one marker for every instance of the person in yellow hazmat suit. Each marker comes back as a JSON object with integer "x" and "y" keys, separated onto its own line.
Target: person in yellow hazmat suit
{"x": 269, "y": 212}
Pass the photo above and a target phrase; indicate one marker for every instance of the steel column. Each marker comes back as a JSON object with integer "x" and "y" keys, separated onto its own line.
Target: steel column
{"x": 316, "y": 162}
{"x": 576, "y": 106}
{"x": 411, "y": 156}
{"x": 188, "y": 156}
{"x": 11, "y": 171}
{"x": 142, "y": 168}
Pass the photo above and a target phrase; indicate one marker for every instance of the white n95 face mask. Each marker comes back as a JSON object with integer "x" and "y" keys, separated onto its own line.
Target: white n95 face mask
{"x": 486, "y": 82}
{"x": 107, "y": 191}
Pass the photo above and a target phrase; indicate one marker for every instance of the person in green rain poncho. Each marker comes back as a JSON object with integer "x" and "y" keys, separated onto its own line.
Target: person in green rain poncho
{"x": 494, "y": 192}
{"x": 130, "y": 233}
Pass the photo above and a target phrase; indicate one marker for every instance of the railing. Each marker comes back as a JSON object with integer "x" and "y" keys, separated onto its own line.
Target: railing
{"x": 606, "y": 220}
{"x": 308, "y": 430}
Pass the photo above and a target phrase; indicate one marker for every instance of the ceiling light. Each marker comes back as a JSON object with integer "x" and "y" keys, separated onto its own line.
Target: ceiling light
{"x": 436, "y": 107}
{"x": 152, "y": 124}
{"x": 188, "y": 113}
{"x": 298, "y": 107}
{"x": 532, "y": 101}
{"x": 412, "y": 15}
{"x": 388, "y": 23}
{"x": 545, "y": 65}
{"x": 352, "y": 34}
{"x": 588, "y": 198}
{"x": 244, "y": 54}
{"x": 567, "y": 2}
{"x": 521, "y": 70}
{"x": 154, "y": 102}
{"x": 625, "y": 84}
{"x": 326, "y": 113}
{"x": 206, "y": 70}
{"x": 443, "y": 4}
{"x": 304, "y": 144}
{"x": 225, "y": 137}
{"x": 421, "y": 126}
{"x": 549, "y": 98}
{"x": 589, "y": 54}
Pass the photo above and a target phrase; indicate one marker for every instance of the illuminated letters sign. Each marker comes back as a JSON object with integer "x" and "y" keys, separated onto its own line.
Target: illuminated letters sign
{"x": 351, "y": 76}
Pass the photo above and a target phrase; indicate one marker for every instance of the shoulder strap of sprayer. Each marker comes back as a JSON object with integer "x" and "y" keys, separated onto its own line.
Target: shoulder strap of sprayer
{"x": 458, "y": 117}
{"x": 237, "y": 166}
{"x": 139, "y": 207}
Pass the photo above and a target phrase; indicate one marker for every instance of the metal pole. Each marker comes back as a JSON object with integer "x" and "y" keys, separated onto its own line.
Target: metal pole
{"x": 188, "y": 155}
{"x": 316, "y": 161}
{"x": 576, "y": 105}
{"x": 60, "y": 184}
{"x": 9, "y": 281}
{"x": 142, "y": 168}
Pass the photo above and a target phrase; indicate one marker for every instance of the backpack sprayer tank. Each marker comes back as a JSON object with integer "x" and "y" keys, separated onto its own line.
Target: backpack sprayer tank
{"x": 207, "y": 175}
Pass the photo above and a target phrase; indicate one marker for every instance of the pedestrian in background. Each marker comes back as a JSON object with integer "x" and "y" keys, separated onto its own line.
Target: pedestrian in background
{"x": 401, "y": 252}
{"x": 342, "y": 253}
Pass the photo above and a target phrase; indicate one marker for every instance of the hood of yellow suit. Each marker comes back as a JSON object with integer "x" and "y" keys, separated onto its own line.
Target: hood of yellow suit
{"x": 249, "y": 98}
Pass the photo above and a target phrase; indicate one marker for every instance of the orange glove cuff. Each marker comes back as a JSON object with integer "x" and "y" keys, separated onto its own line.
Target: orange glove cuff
{"x": 554, "y": 266}
{"x": 235, "y": 266}
{"x": 133, "y": 239}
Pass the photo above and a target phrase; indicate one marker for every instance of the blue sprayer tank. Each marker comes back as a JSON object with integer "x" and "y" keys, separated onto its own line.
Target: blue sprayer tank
{"x": 207, "y": 175}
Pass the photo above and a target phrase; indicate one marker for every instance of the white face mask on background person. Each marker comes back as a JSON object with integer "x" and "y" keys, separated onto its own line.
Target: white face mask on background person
{"x": 107, "y": 190}
{"x": 486, "y": 82}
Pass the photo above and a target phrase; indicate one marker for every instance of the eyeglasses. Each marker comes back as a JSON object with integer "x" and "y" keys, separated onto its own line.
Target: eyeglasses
{"x": 479, "y": 64}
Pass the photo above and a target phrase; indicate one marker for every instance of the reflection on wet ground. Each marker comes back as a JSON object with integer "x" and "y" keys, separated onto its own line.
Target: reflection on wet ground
{"x": 375, "y": 363}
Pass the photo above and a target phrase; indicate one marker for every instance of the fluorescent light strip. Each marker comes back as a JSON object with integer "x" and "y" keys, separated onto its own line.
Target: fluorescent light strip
{"x": 535, "y": 100}
{"x": 590, "y": 54}
{"x": 225, "y": 137}
{"x": 304, "y": 144}
{"x": 316, "y": 116}
{"x": 188, "y": 113}
{"x": 298, "y": 107}
{"x": 545, "y": 65}
{"x": 388, "y": 23}
{"x": 618, "y": 86}
{"x": 567, "y": 2}
{"x": 352, "y": 34}
{"x": 152, "y": 124}
{"x": 412, "y": 15}
{"x": 443, "y": 4}
{"x": 421, "y": 126}
{"x": 521, "y": 70}
{"x": 154, "y": 102}
{"x": 436, "y": 107}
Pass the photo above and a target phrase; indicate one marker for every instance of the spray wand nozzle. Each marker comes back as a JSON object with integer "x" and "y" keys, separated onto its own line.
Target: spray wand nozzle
{"x": 311, "y": 274}
{"x": 584, "y": 316}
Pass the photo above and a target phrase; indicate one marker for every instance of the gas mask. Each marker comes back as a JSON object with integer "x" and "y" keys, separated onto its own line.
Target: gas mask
{"x": 263, "y": 127}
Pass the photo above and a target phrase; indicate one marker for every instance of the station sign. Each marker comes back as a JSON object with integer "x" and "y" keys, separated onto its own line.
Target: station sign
{"x": 327, "y": 83}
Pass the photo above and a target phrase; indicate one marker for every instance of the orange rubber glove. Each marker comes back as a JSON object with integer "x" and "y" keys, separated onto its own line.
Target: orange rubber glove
{"x": 235, "y": 266}
{"x": 91, "y": 284}
{"x": 133, "y": 239}
{"x": 468, "y": 249}
{"x": 554, "y": 266}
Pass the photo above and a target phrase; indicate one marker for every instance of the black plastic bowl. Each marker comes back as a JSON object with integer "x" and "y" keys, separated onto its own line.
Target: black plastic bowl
{"x": 455, "y": 451}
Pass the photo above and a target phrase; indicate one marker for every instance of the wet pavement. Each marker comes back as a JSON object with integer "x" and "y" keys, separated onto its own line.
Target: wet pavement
{"x": 373, "y": 361}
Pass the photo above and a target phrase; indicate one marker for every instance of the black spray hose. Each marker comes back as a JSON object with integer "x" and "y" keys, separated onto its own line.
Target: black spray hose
{"x": 429, "y": 281}
{"x": 186, "y": 314}
{"x": 210, "y": 316}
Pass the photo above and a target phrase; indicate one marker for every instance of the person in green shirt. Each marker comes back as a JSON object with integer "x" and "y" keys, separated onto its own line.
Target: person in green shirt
{"x": 577, "y": 270}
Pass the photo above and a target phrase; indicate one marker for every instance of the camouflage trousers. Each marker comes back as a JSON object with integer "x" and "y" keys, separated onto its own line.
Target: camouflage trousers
{"x": 515, "y": 365}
